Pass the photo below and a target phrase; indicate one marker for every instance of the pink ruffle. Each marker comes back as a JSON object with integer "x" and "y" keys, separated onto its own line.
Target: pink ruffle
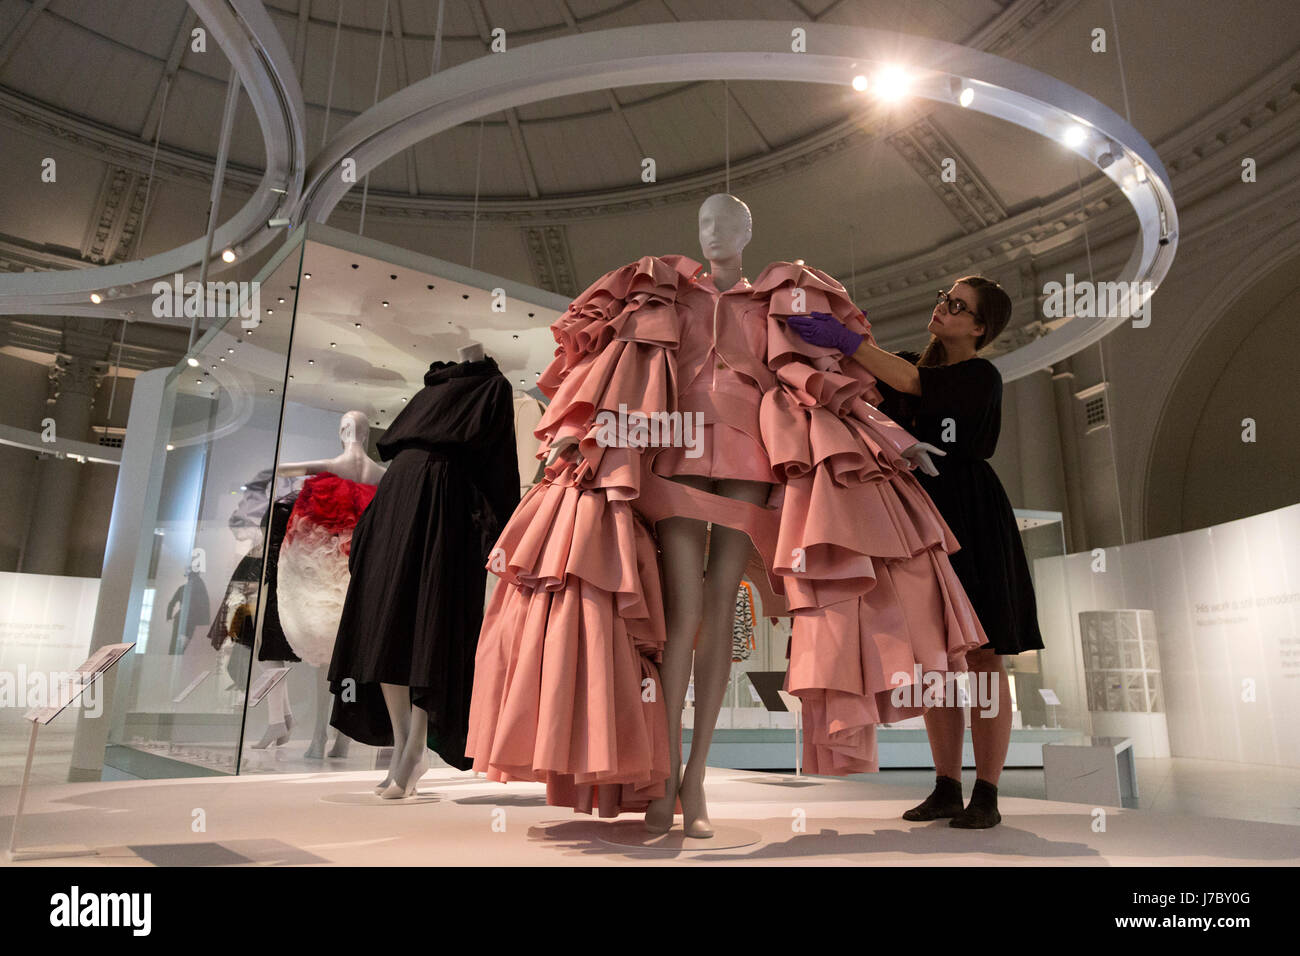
{"x": 862, "y": 549}
{"x": 566, "y": 688}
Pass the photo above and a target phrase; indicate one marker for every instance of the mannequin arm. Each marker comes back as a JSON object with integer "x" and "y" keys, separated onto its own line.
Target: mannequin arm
{"x": 296, "y": 469}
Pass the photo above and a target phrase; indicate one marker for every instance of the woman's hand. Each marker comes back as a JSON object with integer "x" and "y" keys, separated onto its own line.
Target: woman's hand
{"x": 822, "y": 328}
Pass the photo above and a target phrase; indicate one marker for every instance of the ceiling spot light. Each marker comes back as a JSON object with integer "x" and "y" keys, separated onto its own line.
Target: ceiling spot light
{"x": 860, "y": 83}
{"x": 280, "y": 299}
{"x": 228, "y": 255}
{"x": 306, "y": 275}
{"x": 193, "y": 362}
{"x": 385, "y": 303}
{"x": 171, "y": 447}
{"x": 230, "y": 350}
{"x": 311, "y": 361}
{"x": 1140, "y": 171}
{"x": 967, "y": 96}
{"x": 892, "y": 83}
{"x": 1074, "y": 135}
{"x": 96, "y": 298}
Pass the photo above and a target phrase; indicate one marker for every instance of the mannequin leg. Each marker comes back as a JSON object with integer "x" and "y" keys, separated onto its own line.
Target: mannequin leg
{"x": 324, "y": 701}
{"x": 410, "y": 754}
{"x": 398, "y": 701}
{"x": 728, "y": 553}
{"x": 681, "y": 541}
{"x": 279, "y": 717}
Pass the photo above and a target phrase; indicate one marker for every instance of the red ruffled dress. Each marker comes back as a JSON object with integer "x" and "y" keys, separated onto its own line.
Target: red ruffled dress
{"x": 566, "y": 683}
{"x": 312, "y": 567}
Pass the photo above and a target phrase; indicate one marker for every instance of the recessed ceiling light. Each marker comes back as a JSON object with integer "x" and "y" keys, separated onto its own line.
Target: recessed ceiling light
{"x": 860, "y": 83}
{"x": 1074, "y": 135}
{"x": 280, "y": 300}
{"x": 228, "y": 255}
{"x": 193, "y": 362}
{"x": 892, "y": 83}
{"x": 306, "y": 275}
{"x": 385, "y": 303}
{"x": 311, "y": 361}
{"x": 96, "y": 298}
{"x": 357, "y": 324}
{"x": 334, "y": 345}
{"x": 967, "y": 96}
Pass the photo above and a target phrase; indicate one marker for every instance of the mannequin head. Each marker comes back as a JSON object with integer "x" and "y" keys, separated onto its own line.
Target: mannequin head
{"x": 354, "y": 429}
{"x": 726, "y": 227}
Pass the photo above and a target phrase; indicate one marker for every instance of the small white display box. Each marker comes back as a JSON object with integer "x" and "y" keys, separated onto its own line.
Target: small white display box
{"x": 1092, "y": 770}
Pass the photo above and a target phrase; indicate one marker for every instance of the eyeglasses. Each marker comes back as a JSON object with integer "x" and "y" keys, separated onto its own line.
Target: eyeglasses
{"x": 954, "y": 305}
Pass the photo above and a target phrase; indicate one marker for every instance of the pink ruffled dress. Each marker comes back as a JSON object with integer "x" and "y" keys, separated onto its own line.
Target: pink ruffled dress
{"x": 566, "y": 681}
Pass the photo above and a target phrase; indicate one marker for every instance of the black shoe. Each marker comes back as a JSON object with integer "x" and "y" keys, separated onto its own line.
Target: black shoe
{"x": 982, "y": 812}
{"x": 943, "y": 801}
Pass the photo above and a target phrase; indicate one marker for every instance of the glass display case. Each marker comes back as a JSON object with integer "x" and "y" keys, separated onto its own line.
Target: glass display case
{"x": 342, "y": 325}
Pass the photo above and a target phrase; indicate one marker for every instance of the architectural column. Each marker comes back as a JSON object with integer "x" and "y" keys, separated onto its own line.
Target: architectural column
{"x": 73, "y": 381}
{"x": 1042, "y": 479}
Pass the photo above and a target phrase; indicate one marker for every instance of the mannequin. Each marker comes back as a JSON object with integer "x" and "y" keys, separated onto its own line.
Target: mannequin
{"x": 410, "y": 721}
{"x": 700, "y": 599}
{"x": 354, "y": 464}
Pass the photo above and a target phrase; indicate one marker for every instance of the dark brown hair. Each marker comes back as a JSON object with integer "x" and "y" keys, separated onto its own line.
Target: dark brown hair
{"x": 993, "y": 311}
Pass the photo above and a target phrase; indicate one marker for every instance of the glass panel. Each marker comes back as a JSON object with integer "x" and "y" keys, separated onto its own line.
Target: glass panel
{"x": 180, "y": 694}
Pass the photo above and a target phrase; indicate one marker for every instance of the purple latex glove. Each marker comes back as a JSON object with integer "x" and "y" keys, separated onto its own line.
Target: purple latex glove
{"x": 822, "y": 328}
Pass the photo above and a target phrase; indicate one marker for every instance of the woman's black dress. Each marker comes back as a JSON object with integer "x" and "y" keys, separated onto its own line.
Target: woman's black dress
{"x": 414, "y": 605}
{"x": 959, "y": 411}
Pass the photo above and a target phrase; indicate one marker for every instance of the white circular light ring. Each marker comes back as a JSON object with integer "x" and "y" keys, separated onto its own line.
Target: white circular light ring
{"x": 761, "y": 50}
{"x": 251, "y": 42}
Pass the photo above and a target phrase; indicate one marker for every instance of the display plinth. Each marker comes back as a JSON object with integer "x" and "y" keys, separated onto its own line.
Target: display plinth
{"x": 632, "y": 833}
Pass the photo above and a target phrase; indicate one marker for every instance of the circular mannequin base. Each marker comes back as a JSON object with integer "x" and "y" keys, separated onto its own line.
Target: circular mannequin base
{"x": 632, "y": 833}
{"x": 368, "y": 798}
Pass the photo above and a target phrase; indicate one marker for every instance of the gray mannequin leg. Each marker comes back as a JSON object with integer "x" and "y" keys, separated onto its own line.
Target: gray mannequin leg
{"x": 729, "y": 551}
{"x": 410, "y": 759}
{"x": 397, "y": 698}
{"x": 682, "y": 543}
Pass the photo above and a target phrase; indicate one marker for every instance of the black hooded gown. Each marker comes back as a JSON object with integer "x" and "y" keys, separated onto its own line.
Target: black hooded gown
{"x": 414, "y": 605}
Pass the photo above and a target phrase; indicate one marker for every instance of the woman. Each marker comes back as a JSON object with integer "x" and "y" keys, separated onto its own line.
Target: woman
{"x": 951, "y": 398}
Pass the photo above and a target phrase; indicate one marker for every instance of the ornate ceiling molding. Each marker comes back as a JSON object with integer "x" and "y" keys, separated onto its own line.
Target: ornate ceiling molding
{"x": 970, "y": 199}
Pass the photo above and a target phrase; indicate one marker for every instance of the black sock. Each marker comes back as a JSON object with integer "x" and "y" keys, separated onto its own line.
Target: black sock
{"x": 943, "y": 801}
{"x": 982, "y": 811}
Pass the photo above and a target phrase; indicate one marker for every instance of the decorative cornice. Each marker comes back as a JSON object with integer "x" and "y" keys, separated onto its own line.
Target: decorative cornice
{"x": 968, "y": 197}
{"x": 551, "y": 260}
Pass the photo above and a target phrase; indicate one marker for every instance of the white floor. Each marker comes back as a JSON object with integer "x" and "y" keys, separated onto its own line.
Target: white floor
{"x": 333, "y": 818}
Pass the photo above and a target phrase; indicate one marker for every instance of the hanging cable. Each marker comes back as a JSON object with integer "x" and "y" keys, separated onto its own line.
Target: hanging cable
{"x": 153, "y": 162}
{"x": 329, "y": 94}
{"x": 1119, "y": 56}
{"x": 117, "y": 372}
{"x": 726, "y": 133}
{"x": 379, "y": 73}
{"x": 478, "y": 172}
{"x": 437, "y": 41}
{"x": 1101, "y": 355}
{"x": 853, "y": 267}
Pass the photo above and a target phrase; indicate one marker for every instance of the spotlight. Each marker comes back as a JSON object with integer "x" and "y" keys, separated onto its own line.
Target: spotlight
{"x": 1074, "y": 135}
{"x": 171, "y": 447}
{"x": 892, "y": 83}
{"x": 193, "y": 362}
{"x": 228, "y": 255}
{"x": 96, "y": 298}
{"x": 967, "y": 96}
{"x": 860, "y": 83}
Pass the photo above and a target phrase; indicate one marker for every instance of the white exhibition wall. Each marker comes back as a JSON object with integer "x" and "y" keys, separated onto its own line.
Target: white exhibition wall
{"x": 1226, "y": 602}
